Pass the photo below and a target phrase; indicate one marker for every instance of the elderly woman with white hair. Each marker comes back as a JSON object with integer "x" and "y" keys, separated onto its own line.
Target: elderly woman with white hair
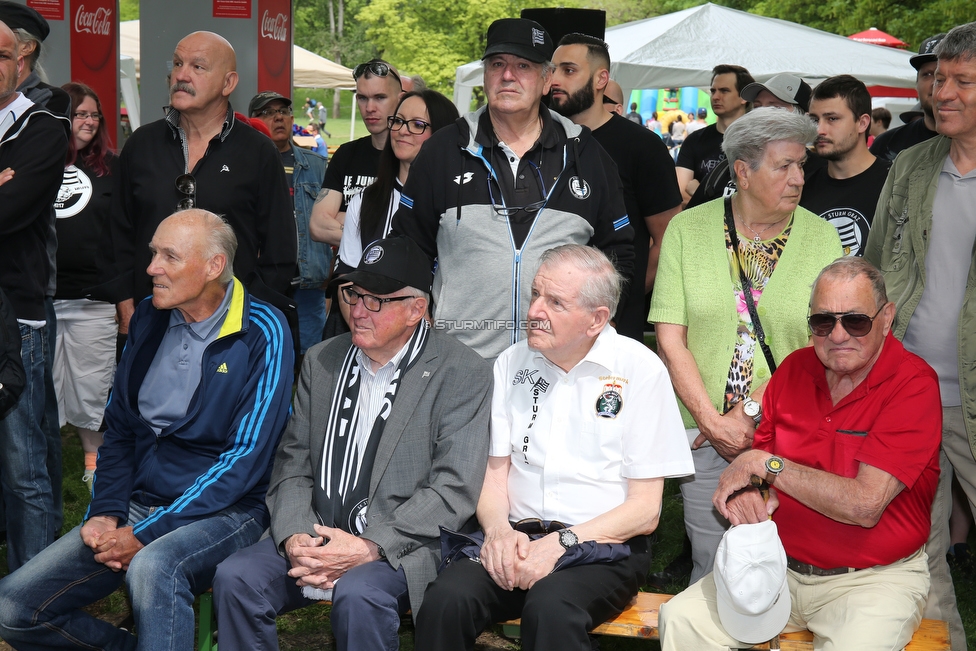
{"x": 730, "y": 302}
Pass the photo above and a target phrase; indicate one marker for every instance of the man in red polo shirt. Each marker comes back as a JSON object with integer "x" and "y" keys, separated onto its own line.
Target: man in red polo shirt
{"x": 849, "y": 439}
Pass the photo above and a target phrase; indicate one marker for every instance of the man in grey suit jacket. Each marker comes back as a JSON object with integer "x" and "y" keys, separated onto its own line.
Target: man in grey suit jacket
{"x": 388, "y": 440}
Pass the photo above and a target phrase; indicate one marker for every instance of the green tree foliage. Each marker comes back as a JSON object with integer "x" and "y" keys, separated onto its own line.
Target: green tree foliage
{"x": 128, "y": 9}
{"x": 433, "y": 37}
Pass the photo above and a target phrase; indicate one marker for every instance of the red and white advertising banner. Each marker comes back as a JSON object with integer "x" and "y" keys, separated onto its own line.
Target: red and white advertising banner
{"x": 50, "y": 9}
{"x": 95, "y": 57}
{"x": 231, "y": 8}
{"x": 274, "y": 46}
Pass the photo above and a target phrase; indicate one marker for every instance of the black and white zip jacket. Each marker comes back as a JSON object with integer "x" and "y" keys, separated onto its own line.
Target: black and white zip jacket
{"x": 485, "y": 262}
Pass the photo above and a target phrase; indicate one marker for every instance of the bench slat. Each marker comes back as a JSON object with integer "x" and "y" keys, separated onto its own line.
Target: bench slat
{"x": 641, "y": 618}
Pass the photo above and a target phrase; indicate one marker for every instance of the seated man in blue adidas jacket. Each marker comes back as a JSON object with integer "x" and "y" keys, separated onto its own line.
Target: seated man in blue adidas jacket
{"x": 200, "y": 400}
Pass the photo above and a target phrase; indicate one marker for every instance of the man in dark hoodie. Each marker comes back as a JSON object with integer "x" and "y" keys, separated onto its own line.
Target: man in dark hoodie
{"x": 33, "y": 144}
{"x": 512, "y": 180}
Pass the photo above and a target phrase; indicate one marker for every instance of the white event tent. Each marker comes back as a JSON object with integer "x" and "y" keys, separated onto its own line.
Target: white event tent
{"x": 680, "y": 49}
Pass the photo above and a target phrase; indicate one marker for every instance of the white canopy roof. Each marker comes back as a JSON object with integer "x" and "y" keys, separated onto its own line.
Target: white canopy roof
{"x": 310, "y": 69}
{"x": 680, "y": 49}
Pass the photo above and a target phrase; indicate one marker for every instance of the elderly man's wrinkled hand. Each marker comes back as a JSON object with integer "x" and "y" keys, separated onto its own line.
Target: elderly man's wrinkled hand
{"x": 117, "y": 549}
{"x": 539, "y": 562}
{"x": 502, "y": 550}
{"x": 746, "y": 507}
{"x": 737, "y": 476}
{"x": 730, "y": 434}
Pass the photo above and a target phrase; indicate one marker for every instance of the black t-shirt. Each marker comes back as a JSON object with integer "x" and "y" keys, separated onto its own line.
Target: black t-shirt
{"x": 848, "y": 204}
{"x": 82, "y": 207}
{"x": 702, "y": 151}
{"x": 890, "y": 143}
{"x": 650, "y": 187}
{"x": 352, "y": 168}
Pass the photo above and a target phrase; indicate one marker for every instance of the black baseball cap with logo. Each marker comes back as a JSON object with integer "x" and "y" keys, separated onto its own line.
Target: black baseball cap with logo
{"x": 926, "y": 51}
{"x": 521, "y": 37}
{"x": 389, "y": 265}
{"x": 261, "y": 100}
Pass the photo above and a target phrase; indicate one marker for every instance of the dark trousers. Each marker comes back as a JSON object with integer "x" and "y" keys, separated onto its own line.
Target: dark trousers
{"x": 557, "y": 612}
{"x": 252, "y": 588}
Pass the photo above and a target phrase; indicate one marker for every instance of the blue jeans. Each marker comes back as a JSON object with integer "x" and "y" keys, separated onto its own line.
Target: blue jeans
{"x": 41, "y": 604}
{"x": 311, "y": 316}
{"x": 27, "y": 495}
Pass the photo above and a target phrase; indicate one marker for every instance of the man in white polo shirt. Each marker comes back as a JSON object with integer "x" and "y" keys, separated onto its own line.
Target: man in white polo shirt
{"x": 583, "y": 433}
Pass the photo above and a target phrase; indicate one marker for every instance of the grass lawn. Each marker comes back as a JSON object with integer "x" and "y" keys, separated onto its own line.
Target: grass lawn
{"x": 308, "y": 629}
{"x": 337, "y": 126}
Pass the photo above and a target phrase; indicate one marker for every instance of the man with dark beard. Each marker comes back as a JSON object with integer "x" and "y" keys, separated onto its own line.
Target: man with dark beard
{"x": 646, "y": 169}
{"x": 891, "y": 142}
{"x": 846, "y": 191}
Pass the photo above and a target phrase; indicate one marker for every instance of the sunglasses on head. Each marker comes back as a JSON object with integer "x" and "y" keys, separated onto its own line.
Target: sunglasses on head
{"x": 856, "y": 325}
{"x": 375, "y": 68}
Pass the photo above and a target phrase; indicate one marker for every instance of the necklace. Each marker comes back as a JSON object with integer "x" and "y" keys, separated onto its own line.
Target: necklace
{"x": 758, "y": 234}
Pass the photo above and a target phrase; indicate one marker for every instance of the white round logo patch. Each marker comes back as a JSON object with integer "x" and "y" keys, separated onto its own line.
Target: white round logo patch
{"x": 75, "y": 193}
{"x": 579, "y": 187}
{"x": 373, "y": 255}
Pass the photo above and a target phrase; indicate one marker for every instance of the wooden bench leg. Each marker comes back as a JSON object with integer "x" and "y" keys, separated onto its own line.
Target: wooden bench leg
{"x": 205, "y": 630}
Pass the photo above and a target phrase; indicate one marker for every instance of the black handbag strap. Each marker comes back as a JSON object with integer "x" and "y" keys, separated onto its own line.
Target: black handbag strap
{"x": 747, "y": 287}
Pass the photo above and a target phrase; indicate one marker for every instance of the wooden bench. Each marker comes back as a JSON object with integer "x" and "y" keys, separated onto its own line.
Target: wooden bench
{"x": 640, "y": 621}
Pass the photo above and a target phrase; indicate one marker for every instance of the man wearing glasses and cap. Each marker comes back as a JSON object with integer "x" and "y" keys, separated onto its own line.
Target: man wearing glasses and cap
{"x": 849, "y": 443}
{"x": 487, "y": 197}
{"x": 201, "y": 156}
{"x": 354, "y": 165}
{"x": 304, "y": 170}
{"x": 387, "y": 442}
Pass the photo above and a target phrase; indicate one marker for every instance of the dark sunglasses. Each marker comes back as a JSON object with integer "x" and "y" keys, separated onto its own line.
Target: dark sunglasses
{"x": 509, "y": 211}
{"x": 187, "y": 185}
{"x": 415, "y": 127}
{"x": 608, "y": 100}
{"x": 856, "y": 325}
{"x": 375, "y": 68}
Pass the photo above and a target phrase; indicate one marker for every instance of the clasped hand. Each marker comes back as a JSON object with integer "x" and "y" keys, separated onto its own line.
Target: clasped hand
{"x": 514, "y": 561}
{"x": 114, "y": 546}
{"x": 320, "y": 560}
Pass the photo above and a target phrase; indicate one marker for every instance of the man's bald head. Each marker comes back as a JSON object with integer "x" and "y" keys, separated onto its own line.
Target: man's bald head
{"x": 204, "y": 73}
{"x": 614, "y": 92}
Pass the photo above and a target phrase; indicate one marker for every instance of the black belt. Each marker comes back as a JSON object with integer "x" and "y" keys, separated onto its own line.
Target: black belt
{"x": 813, "y": 570}
{"x": 536, "y": 527}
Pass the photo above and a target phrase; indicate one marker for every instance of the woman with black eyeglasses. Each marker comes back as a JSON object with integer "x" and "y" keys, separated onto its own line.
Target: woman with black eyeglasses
{"x": 84, "y": 354}
{"x": 370, "y": 213}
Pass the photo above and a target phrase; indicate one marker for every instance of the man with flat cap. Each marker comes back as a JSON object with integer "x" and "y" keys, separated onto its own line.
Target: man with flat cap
{"x": 487, "y": 197}
{"x": 387, "y": 442}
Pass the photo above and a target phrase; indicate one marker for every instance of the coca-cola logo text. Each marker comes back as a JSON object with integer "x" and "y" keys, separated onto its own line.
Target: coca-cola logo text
{"x": 96, "y": 22}
{"x": 275, "y": 28}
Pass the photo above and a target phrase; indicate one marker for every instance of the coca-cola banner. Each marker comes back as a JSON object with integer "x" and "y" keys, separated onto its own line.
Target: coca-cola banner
{"x": 50, "y": 9}
{"x": 94, "y": 55}
{"x": 274, "y": 46}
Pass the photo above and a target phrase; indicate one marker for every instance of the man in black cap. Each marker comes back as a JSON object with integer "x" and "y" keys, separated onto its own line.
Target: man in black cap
{"x": 33, "y": 144}
{"x": 511, "y": 180}
{"x": 304, "y": 170}
{"x": 387, "y": 442}
{"x": 30, "y": 29}
{"x": 891, "y": 142}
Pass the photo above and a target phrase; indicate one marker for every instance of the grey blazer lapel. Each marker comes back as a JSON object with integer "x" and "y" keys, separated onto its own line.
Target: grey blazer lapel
{"x": 412, "y": 389}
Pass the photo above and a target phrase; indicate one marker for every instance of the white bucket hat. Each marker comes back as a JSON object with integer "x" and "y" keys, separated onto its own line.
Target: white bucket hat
{"x": 750, "y": 580}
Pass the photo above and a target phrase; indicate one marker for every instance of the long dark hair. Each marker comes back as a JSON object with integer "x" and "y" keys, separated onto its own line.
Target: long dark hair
{"x": 98, "y": 153}
{"x": 376, "y": 196}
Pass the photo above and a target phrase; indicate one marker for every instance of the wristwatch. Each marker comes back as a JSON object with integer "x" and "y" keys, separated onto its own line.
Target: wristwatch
{"x": 567, "y": 538}
{"x": 774, "y": 466}
{"x": 752, "y": 409}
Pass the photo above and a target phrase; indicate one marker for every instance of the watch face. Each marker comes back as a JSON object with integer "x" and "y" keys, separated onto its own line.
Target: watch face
{"x": 567, "y": 538}
{"x": 751, "y": 408}
{"x": 774, "y": 464}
